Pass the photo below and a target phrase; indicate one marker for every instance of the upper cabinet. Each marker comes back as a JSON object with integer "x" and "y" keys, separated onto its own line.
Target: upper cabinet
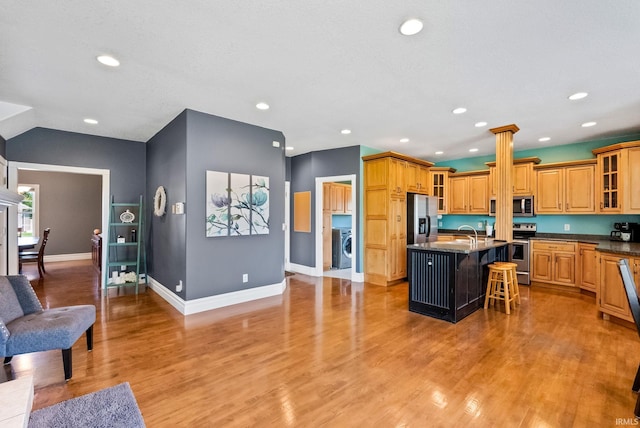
{"x": 469, "y": 193}
{"x": 565, "y": 187}
{"x": 439, "y": 186}
{"x": 618, "y": 177}
{"x": 522, "y": 176}
{"x": 417, "y": 178}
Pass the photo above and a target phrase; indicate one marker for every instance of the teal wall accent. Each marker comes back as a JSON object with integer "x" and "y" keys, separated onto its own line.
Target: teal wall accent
{"x": 579, "y": 224}
{"x": 341, "y": 220}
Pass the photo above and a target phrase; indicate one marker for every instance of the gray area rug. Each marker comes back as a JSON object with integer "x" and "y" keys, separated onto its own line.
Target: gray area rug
{"x": 107, "y": 408}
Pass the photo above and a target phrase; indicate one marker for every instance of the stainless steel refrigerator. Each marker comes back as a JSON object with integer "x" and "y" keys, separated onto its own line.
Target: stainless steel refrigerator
{"x": 422, "y": 218}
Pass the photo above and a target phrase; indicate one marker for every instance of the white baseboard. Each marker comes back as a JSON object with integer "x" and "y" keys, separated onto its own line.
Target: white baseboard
{"x": 188, "y": 307}
{"x": 306, "y": 270}
{"x": 67, "y": 257}
{"x": 311, "y": 271}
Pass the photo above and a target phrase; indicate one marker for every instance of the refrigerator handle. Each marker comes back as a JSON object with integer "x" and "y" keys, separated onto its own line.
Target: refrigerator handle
{"x": 428, "y": 226}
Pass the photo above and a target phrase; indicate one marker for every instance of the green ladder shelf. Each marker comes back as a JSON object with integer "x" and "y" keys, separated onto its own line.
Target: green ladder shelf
{"x": 125, "y": 246}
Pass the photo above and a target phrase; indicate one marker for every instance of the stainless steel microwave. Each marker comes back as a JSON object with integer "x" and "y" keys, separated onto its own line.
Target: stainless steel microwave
{"x": 522, "y": 206}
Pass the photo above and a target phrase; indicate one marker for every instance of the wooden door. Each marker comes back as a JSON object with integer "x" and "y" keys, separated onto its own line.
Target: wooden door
{"x": 397, "y": 174}
{"x": 632, "y": 181}
{"x": 348, "y": 208}
{"x": 579, "y": 189}
{"x": 458, "y": 195}
{"x": 411, "y": 177}
{"x": 398, "y": 239}
{"x": 521, "y": 177}
{"x": 479, "y": 194}
{"x": 326, "y": 241}
{"x": 337, "y": 198}
{"x": 549, "y": 191}
{"x": 541, "y": 266}
{"x": 612, "y": 297}
{"x": 588, "y": 270}
{"x": 564, "y": 268}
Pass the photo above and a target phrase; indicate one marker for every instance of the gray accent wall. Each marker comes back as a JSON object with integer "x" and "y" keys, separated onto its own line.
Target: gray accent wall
{"x": 125, "y": 159}
{"x": 166, "y": 166}
{"x": 304, "y": 170}
{"x": 178, "y": 158}
{"x": 3, "y": 147}
{"x": 70, "y": 205}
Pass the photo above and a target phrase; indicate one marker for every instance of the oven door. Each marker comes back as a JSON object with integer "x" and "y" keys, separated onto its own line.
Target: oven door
{"x": 519, "y": 255}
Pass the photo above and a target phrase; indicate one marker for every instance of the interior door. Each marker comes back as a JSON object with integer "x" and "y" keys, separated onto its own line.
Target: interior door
{"x": 3, "y": 220}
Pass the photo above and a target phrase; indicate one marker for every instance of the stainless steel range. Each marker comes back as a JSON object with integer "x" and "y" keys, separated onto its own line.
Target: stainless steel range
{"x": 519, "y": 249}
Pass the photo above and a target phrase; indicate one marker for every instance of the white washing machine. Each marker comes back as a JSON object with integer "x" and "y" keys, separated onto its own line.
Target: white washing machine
{"x": 341, "y": 248}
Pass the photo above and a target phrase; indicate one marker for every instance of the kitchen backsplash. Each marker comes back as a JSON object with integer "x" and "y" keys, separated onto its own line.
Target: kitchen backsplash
{"x": 578, "y": 224}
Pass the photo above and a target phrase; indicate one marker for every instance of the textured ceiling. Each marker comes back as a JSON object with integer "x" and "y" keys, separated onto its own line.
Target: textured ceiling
{"x": 327, "y": 65}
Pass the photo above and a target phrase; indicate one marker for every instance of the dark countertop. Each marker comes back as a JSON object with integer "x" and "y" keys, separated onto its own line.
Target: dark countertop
{"x": 458, "y": 246}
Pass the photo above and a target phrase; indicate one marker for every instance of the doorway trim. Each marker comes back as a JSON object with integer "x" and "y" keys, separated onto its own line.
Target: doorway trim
{"x": 318, "y": 271}
{"x": 12, "y": 221}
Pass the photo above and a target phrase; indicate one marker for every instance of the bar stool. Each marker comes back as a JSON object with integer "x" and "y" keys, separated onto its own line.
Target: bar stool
{"x": 515, "y": 277}
{"x": 501, "y": 286}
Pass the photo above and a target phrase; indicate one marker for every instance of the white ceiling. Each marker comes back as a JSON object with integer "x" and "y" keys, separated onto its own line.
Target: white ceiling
{"x": 325, "y": 65}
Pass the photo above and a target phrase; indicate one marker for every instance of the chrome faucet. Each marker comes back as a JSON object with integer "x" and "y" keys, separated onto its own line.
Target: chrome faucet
{"x": 473, "y": 241}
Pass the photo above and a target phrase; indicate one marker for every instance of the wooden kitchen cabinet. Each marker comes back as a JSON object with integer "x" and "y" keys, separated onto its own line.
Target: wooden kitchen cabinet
{"x": 587, "y": 266}
{"x": 610, "y": 295}
{"x": 553, "y": 262}
{"x": 469, "y": 193}
{"x": 522, "y": 176}
{"x": 417, "y": 178}
{"x": 385, "y": 217}
{"x": 439, "y": 186}
{"x": 565, "y": 188}
{"x": 618, "y": 177}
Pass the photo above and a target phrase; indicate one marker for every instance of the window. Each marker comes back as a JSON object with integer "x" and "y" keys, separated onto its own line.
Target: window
{"x": 28, "y": 210}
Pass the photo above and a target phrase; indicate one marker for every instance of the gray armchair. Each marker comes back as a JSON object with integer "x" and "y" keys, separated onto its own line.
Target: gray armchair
{"x": 26, "y": 327}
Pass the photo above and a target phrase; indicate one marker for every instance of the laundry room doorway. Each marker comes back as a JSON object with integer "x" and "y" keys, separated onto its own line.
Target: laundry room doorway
{"x": 335, "y": 243}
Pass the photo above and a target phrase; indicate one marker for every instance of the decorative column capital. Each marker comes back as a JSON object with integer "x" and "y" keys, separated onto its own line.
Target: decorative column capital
{"x": 507, "y": 128}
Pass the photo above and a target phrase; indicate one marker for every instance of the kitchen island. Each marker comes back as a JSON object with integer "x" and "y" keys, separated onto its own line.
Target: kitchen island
{"x": 447, "y": 279}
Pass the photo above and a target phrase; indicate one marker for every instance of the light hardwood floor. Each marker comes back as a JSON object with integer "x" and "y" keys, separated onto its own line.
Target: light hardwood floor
{"x": 332, "y": 353}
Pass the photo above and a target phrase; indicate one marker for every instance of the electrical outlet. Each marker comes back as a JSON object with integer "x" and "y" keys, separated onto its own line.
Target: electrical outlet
{"x": 567, "y": 227}
{"x": 439, "y": 224}
{"x": 123, "y": 267}
{"x": 245, "y": 277}
{"x": 479, "y": 225}
{"x": 179, "y": 286}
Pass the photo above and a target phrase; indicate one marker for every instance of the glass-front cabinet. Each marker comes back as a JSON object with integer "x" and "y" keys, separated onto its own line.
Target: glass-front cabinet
{"x": 609, "y": 179}
{"x": 439, "y": 186}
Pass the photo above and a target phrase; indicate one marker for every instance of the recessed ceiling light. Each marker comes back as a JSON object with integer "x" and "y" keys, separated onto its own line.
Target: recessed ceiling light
{"x": 289, "y": 148}
{"x": 439, "y": 152}
{"x": 404, "y": 140}
{"x": 262, "y": 106}
{"x": 473, "y": 150}
{"x": 91, "y": 121}
{"x": 578, "y": 96}
{"x": 459, "y": 110}
{"x": 588, "y": 124}
{"x": 411, "y": 27}
{"x": 108, "y": 60}
{"x": 345, "y": 131}
{"x": 480, "y": 124}
{"x": 543, "y": 139}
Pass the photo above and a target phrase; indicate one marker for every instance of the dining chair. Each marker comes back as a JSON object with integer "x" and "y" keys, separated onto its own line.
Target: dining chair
{"x": 35, "y": 256}
{"x": 632, "y": 295}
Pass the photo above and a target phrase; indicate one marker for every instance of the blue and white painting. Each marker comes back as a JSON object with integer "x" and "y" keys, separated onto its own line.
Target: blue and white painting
{"x": 237, "y": 204}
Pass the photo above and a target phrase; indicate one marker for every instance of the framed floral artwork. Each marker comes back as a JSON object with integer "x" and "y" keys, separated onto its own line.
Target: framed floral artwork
{"x": 237, "y": 204}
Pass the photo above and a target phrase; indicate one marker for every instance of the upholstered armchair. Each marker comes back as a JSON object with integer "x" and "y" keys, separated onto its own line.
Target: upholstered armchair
{"x": 26, "y": 327}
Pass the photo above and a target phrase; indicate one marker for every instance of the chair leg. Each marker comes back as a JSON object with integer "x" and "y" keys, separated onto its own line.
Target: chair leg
{"x": 636, "y": 411}
{"x": 636, "y": 382}
{"x": 90, "y": 338}
{"x": 7, "y": 360}
{"x": 66, "y": 362}
{"x": 40, "y": 270}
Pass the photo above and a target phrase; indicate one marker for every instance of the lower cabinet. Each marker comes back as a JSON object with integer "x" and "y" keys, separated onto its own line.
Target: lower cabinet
{"x": 587, "y": 267}
{"x": 553, "y": 262}
{"x": 610, "y": 296}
